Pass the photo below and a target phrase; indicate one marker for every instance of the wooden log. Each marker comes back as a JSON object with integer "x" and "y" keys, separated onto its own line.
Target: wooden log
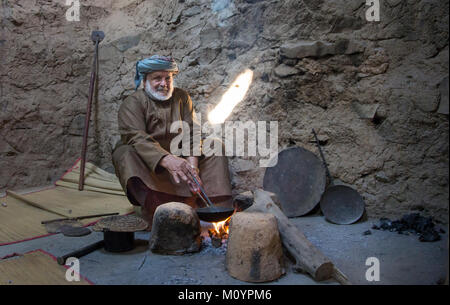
{"x": 307, "y": 257}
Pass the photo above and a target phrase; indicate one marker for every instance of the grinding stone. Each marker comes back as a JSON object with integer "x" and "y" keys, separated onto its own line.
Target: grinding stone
{"x": 55, "y": 226}
{"x": 120, "y": 223}
{"x": 75, "y": 231}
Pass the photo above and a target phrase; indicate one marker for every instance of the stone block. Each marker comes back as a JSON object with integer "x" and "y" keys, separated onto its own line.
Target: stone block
{"x": 254, "y": 252}
{"x": 285, "y": 71}
{"x": 175, "y": 229}
{"x": 307, "y": 48}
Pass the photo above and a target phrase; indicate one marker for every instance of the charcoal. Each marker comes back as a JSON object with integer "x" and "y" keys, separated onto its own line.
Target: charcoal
{"x": 216, "y": 242}
{"x": 414, "y": 223}
{"x": 430, "y": 236}
{"x": 368, "y": 232}
{"x": 385, "y": 224}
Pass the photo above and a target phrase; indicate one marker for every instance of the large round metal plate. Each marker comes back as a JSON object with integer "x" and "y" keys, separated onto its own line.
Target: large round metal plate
{"x": 342, "y": 205}
{"x": 298, "y": 180}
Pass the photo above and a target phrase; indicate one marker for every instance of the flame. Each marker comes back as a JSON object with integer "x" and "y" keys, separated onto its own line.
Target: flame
{"x": 233, "y": 96}
{"x": 221, "y": 227}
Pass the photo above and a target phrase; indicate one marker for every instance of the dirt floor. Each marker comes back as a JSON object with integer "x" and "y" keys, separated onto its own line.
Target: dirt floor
{"x": 403, "y": 259}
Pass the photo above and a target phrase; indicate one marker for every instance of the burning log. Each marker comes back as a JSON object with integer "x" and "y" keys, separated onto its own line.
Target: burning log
{"x": 308, "y": 258}
{"x": 254, "y": 251}
{"x": 219, "y": 233}
{"x": 216, "y": 241}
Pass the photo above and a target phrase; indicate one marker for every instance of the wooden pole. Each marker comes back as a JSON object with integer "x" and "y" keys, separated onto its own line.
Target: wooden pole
{"x": 97, "y": 36}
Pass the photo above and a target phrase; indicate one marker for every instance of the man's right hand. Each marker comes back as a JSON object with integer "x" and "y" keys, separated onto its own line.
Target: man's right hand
{"x": 179, "y": 168}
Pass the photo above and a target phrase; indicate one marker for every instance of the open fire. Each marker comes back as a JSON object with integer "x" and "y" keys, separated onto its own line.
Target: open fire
{"x": 220, "y": 232}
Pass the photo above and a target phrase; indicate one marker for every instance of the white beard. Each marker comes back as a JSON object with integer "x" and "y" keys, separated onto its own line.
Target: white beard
{"x": 157, "y": 95}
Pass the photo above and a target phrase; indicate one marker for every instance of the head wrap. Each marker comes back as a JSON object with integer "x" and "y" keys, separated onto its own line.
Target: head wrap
{"x": 152, "y": 64}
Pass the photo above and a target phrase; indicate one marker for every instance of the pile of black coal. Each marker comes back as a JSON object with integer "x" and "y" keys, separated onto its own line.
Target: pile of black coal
{"x": 412, "y": 223}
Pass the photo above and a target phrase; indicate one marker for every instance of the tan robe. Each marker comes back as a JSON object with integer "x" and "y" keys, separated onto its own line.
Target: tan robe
{"x": 144, "y": 126}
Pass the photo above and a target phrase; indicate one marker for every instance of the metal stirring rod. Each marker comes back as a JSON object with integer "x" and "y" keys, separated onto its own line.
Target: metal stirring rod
{"x": 203, "y": 199}
{"x": 209, "y": 203}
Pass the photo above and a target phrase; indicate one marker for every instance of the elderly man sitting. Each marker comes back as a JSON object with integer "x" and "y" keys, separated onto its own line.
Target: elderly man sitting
{"x": 149, "y": 174}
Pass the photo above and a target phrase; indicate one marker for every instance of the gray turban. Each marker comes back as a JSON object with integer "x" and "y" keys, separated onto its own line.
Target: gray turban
{"x": 152, "y": 64}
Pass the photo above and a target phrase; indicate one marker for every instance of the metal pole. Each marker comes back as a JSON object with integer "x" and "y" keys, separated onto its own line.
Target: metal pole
{"x": 323, "y": 158}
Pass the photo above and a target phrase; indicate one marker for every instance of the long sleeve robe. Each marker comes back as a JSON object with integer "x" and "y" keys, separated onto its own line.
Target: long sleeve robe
{"x": 144, "y": 126}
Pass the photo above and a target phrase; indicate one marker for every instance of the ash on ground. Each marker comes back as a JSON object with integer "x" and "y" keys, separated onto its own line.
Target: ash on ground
{"x": 412, "y": 224}
{"x": 179, "y": 280}
{"x": 208, "y": 248}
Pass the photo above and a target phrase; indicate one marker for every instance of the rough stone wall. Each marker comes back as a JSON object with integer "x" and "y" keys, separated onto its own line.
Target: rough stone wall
{"x": 375, "y": 92}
